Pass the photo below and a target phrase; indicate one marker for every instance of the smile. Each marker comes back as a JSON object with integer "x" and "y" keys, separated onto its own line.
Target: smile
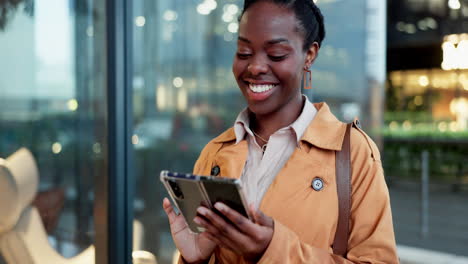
{"x": 260, "y": 88}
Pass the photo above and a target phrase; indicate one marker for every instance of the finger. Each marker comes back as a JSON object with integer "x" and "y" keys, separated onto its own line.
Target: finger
{"x": 203, "y": 223}
{"x": 219, "y": 227}
{"x": 177, "y": 222}
{"x": 169, "y": 210}
{"x": 208, "y": 225}
{"x": 241, "y": 222}
{"x": 212, "y": 233}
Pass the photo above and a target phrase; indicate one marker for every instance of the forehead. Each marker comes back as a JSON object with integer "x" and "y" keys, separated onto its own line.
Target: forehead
{"x": 265, "y": 21}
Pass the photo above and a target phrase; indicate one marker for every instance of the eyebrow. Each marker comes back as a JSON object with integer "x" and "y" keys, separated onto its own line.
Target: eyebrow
{"x": 269, "y": 42}
{"x": 243, "y": 39}
{"x": 276, "y": 41}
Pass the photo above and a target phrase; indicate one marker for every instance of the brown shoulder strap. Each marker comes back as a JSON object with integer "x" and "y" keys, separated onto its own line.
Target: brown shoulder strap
{"x": 343, "y": 185}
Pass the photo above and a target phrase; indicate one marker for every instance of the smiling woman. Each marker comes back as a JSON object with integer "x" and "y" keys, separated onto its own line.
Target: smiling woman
{"x": 283, "y": 149}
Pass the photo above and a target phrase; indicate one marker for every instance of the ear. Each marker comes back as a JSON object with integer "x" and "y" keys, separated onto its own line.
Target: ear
{"x": 311, "y": 54}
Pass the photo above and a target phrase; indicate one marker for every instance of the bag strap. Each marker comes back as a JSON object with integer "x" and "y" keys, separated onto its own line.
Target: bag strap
{"x": 343, "y": 185}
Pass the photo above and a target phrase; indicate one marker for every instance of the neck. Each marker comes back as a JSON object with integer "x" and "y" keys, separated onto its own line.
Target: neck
{"x": 267, "y": 124}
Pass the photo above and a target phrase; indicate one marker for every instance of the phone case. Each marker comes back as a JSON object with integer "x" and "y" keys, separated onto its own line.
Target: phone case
{"x": 189, "y": 191}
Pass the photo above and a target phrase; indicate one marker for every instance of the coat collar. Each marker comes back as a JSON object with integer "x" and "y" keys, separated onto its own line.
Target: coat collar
{"x": 325, "y": 131}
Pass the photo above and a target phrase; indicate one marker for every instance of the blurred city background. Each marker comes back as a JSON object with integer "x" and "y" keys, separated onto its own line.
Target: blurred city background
{"x": 401, "y": 66}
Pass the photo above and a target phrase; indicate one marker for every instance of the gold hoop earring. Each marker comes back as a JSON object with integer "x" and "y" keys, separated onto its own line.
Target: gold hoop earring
{"x": 307, "y": 79}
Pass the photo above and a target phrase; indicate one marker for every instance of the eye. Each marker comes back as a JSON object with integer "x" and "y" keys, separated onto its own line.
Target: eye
{"x": 277, "y": 58}
{"x": 243, "y": 56}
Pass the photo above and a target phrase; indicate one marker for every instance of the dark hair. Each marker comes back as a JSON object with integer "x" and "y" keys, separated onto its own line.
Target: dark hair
{"x": 308, "y": 15}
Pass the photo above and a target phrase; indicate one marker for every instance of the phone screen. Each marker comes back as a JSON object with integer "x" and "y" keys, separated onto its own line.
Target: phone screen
{"x": 226, "y": 193}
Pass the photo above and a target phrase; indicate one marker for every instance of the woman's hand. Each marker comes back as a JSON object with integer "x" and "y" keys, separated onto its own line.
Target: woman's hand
{"x": 241, "y": 236}
{"x": 194, "y": 248}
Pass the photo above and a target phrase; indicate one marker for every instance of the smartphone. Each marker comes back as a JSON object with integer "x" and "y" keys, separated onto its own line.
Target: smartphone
{"x": 189, "y": 191}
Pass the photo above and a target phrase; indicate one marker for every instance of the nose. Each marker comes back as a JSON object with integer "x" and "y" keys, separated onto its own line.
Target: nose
{"x": 257, "y": 66}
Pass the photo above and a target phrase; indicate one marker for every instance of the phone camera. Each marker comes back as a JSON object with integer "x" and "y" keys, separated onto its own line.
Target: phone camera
{"x": 176, "y": 190}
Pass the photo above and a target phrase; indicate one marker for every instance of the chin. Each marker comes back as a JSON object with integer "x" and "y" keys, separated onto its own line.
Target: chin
{"x": 262, "y": 108}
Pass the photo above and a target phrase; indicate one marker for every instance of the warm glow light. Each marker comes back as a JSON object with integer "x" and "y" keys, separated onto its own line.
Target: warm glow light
{"x": 178, "y": 82}
{"x": 393, "y": 125}
{"x": 135, "y": 139}
{"x": 140, "y": 21}
{"x": 449, "y": 56}
{"x": 442, "y": 126}
{"x": 97, "y": 148}
{"x": 463, "y": 81}
{"x": 206, "y": 7}
{"x": 463, "y": 54}
{"x": 454, "y": 4}
{"x": 459, "y": 107}
{"x": 161, "y": 97}
{"x": 232, "y": 9}
{"x": 418, "y": 100}
{"x": 422, "y": 24}
{"x": 453, "y": 126}
{"x": 455, "y": 52}
{"x": 410, "y": 28}
{"x": 211, "y": 4}
{"x": 56, "y": 148}
{"x": 400, "y": 26}
{"x": 72, "y": 104}
{"x": 170, "y": 15}
{"x": 182, "y": 100}
{"x": 233, "y": 27}
{"x": 423, "y": 80}
{"x": 141, "y": 256}
{"x": 431, "y": 23}
{"x": 407, "y": 125}
{"x": 175, "y": 257}
{"x": 202, "y": 9}
{"x": 227, "y": 17}
{"x": 90, "y": 31}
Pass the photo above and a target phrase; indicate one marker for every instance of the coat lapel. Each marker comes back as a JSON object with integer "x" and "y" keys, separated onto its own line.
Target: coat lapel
{"x": 231, "y": 159}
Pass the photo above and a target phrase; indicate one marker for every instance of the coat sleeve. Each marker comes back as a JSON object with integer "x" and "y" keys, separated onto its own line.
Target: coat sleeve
{"x": 371, "y": 237}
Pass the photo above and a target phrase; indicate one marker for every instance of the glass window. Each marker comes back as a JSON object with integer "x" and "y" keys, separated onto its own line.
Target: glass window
{"x": 184, "y": 95}
{"x": 53, "y": 102}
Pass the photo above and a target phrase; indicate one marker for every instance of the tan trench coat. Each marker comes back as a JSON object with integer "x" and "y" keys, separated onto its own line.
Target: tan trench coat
{"x": 305, "y": 219}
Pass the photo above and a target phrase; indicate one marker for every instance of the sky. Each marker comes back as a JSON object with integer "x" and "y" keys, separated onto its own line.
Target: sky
{"x": 37, "y": 53}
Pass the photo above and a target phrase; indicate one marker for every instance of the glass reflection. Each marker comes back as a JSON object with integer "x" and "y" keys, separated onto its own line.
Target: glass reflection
{"x": 52, "y": 101}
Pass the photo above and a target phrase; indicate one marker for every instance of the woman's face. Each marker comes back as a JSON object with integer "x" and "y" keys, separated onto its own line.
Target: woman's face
{"x": 270, "y": 59}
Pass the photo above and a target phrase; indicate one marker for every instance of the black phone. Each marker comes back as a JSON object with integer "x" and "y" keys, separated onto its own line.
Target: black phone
{"x": 189, "y": 191}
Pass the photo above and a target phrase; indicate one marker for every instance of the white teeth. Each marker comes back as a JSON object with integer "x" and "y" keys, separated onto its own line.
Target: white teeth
{"x": 260, "y": 88}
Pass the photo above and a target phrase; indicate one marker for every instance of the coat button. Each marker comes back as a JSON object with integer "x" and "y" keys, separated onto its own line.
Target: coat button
{"x": 215, "y": 171}
{"x": 358, "y": 124}
{"x": 317, "y": 184}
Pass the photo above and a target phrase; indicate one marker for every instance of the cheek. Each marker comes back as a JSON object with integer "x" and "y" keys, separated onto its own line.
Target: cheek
{"x": 289, "y": 73}
{"x": 238, "y": 67}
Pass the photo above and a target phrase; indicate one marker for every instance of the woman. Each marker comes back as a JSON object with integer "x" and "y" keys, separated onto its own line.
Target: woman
{"x": 278, "y": 146}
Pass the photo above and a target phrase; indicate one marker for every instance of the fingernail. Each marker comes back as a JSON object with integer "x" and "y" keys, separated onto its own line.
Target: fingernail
{"x": 196, "y": 220}
{"x": 220, "y": 206}
{"x": 202, "y": 210}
